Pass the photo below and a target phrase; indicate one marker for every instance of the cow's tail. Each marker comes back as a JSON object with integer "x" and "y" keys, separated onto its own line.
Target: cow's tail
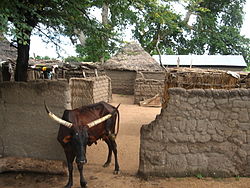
{"x": 118, "y": 120}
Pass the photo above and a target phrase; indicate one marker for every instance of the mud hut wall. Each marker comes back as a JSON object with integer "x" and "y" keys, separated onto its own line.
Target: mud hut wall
{"x": 90, "y": 90}
{"x": 147, "y": 85}
{"x": 102, "y": 89}
{"x": 25, "y": 128}
{"x": 122, "y": 81}
{"x": 201, "y": 131}
{"x": 156, "y": 75}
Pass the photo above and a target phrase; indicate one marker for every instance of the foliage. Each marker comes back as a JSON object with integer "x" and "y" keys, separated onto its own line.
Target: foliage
{"x": 74, "y": 59}
{"x": 158, "y": 23}
{"x": 56, "y": 15}
{"x": 199, "y": 176}
{"x": 247, "y": 69}
{"x": 41, "y": 58}
{"x": 20, "y": 17}
{"x": 99, "y": 46}
{"x": 237, "y": 178}
{"x": 217, "y": 31}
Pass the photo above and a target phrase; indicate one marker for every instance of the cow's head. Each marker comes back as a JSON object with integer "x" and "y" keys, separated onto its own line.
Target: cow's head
{"x": 79, "y": 139}
{"x": 79, "y": 142}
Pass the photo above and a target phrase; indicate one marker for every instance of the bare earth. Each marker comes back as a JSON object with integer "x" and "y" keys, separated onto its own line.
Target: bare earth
{"x": 132, "y": 117}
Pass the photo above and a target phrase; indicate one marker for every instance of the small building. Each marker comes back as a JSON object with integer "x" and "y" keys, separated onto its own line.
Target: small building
{"x": 221, "y": 62}
{"x": 122, "y": 67}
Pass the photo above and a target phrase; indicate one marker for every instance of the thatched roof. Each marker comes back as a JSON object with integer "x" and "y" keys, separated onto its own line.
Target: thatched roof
{"x": 195, "y": 78}
{"x": 132, "y": 57}
{"x": 6, "y": 51}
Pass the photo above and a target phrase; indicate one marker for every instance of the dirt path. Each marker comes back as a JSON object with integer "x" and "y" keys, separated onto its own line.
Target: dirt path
{"x": 132, "y": 117}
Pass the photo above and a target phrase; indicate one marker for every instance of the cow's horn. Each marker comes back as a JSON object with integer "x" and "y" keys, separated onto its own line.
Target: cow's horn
{"x": 57, "y": 119}
{"x": 100, "y": 120}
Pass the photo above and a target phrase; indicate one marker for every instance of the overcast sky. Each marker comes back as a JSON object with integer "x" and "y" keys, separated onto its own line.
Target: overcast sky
{"x": 37, "y": 47}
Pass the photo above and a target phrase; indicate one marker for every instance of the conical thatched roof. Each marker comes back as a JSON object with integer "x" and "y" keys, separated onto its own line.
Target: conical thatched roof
{"x": 5, "y": 50}
{"x": 132, "y": 57}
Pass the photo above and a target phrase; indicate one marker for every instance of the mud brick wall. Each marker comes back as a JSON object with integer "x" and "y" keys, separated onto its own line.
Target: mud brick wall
{"x": 122, "y": 81}
{"x": 25, "y": 128}
{"x": 90, "y": 90}
{"x": 102, "y": 89}
{"x": 199, "y": 132}
{"x": 147, "y": 85}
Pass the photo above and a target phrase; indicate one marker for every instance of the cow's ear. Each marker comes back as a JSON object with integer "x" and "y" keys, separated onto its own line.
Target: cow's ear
{"x": 67, "y": 139}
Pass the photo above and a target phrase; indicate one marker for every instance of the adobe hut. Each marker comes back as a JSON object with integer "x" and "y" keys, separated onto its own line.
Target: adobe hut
{"x": 122, "y": 67}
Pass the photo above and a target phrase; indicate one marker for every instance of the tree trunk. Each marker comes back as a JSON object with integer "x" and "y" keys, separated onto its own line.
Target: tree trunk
{"x": 22, "y": 60}
{"x": 105, "y": 13}
{"x": 81, "y": 36}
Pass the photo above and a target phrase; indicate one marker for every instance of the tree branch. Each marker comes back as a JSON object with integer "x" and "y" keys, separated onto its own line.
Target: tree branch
{"x": 51, "y": 40}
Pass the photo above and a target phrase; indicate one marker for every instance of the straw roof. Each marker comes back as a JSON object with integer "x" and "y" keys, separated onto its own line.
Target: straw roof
{"x": 194, "y": 78}
{"x": 5, "y": 50}
{"x": 190, "y": 78}
{"x": 134, "y": 58}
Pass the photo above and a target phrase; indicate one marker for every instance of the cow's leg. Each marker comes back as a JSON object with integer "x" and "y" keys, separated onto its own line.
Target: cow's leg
{"x": 83, "y": 183}
{"x": 70, "y": 158}
{"x": 114, "y": 148}
{"x": 106, "y": 164}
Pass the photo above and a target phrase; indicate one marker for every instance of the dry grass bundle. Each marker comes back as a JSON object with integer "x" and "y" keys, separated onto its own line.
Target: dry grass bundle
{"x": 190, "y": 78}
{"x": 199, "y": 78}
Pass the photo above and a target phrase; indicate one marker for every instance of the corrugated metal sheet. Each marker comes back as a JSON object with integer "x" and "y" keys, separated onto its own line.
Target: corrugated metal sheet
{"x": 202, "y": 60}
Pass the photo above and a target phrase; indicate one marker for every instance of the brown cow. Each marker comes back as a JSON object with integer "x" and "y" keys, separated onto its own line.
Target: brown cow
{"x": 84, "y": 126}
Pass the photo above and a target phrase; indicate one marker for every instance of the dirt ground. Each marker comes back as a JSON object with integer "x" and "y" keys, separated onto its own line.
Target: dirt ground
{"x": 132, "y": 117}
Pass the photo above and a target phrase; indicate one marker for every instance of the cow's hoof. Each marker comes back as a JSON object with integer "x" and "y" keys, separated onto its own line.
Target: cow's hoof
{"x": 106, "y": 165}
{"x": 69, "y": 185}
{"x": 116, "y": 172}
{"x": 83, "y": 184}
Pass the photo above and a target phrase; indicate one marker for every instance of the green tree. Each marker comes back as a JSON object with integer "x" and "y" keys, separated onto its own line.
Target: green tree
{"x": 42, "y": 58}
{"x": 217, "y": 31}
{"x": 96, "y": 49}
{"x": 157, "y": 24}
{"x": 116, "y": 15}
{"x": 20, "y": 17}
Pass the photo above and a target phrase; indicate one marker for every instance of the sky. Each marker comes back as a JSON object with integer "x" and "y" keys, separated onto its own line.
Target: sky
{"x": 37, "y": 47}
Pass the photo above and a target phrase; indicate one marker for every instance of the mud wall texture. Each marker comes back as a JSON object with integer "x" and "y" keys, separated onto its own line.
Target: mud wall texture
{"x": 147, "y": 85}
{"x": 90, "y": 90}
{"x": 122, "y": 81}
{"x": 199, "y": 132}
{"x": 25, "y": 128}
